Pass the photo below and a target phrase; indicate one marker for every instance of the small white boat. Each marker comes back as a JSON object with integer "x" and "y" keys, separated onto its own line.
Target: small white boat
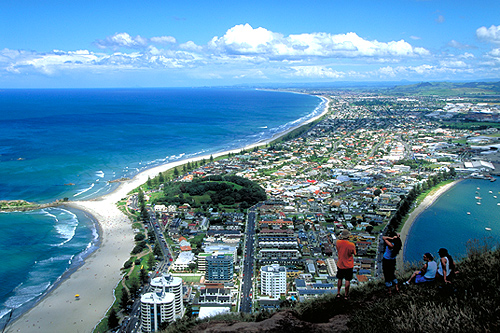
{"x": 491, "y": 191}
{"x": 468, "y": 213}
{"x": 495, "y": 196}
{"x": 478, "y": 203}
{"x": 488, "y": 229}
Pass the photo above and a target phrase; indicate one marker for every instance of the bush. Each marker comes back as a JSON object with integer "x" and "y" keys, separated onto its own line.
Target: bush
{"x": 139, "y": 237}
{"x": 127, "y": 264}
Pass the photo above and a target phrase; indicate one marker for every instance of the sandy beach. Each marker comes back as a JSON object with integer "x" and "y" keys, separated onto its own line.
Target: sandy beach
{"x": 428, "y": 200}
{"x": 97, "y": 278}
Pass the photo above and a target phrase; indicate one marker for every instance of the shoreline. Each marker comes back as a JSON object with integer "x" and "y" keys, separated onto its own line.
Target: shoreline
{"x": 96, "y": 279}
{"x": 426, "y": 203}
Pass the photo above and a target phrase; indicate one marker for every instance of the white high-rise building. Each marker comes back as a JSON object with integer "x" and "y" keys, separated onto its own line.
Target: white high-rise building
{"x": 273, "y": 280}
{"x": 170, "y": 284}
{"x": 156, "y": 307}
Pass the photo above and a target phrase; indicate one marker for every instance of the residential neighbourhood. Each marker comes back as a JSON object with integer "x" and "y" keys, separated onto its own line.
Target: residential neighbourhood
{"x": 349, "y": 171}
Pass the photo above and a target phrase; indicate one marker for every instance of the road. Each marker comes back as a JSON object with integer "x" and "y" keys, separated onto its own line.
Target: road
{"x": 132, "y": 323}
{"x": 246, "y": 288}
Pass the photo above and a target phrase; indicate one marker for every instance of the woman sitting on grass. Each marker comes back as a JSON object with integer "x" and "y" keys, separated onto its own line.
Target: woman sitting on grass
{"x": 427, "y": 273}
{"x": 446, "y": 268}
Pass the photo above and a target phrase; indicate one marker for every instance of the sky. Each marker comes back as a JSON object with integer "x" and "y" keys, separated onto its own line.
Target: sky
{"x": 165, "y": 43}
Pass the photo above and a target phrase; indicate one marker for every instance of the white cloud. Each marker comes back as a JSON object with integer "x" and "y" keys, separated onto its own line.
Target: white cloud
{"x": 440, "y": 19}
{"x": 163, "y": 40}
{"x": 247, "y": 53}
{"x": 453, "y": 63}
{"x": 491, "y": 34}
{"x": 124, "y": 40}
{"x": 466, "y": 55}
{"x": 457, "y": 45}
{"x": 190, "y": 46}
{"x": 120, "y": 40}
{"x": 494, "y": 55}
{"x": 245, "y": 40}
{"x": 316, "y": 72}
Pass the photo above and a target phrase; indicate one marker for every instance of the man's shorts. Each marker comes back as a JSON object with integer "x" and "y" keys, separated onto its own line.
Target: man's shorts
{"x": 345, "y": 273}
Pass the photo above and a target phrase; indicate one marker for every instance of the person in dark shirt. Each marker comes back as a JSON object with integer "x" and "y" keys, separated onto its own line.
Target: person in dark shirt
{"x": 393, "y": 245}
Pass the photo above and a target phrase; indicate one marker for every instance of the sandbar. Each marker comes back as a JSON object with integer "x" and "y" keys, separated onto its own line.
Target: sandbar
{"x": 97, "y": 278}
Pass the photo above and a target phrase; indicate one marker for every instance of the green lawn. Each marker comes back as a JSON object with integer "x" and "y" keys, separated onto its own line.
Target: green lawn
{"x": 189, "y": 278}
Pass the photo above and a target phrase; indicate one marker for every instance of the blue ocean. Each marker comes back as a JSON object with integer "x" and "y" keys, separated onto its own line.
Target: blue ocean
{"x": 69, "y": 143}
{"x": 468, "y": 211}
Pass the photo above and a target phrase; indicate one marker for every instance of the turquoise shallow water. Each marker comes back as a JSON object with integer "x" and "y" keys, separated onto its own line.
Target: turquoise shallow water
{"x": 52, "y": 138}
{"x": 447, "y": 223}
{"x": 37, "y": 248}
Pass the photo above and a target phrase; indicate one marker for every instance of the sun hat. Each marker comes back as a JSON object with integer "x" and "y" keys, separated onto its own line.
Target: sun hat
{"x": 345, "y": 234}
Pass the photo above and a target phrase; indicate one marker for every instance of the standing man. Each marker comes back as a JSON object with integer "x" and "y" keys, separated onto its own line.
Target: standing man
{"x": 346, "y": 251}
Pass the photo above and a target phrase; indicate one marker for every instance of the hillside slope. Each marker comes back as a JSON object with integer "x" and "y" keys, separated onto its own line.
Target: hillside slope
{"x": 470, "y": 304}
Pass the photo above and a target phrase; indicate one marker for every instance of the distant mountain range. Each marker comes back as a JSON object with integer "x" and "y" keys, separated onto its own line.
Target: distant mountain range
{"x": 469, "y": 89}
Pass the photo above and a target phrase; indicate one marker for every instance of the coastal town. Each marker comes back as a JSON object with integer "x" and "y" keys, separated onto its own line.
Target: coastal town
{"x": 351, "y": 170}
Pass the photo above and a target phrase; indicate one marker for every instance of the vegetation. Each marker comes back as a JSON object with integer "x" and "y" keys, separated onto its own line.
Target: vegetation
{"x": 470, "y": 89}
{"x": 463, "y": 123}
{"x": 470, "y": 304}
{"x": 213, "y": 191}
{"x": 407, "y": 201}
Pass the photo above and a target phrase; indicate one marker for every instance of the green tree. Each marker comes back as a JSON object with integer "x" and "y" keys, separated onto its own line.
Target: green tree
{"x": 140, "y": 197}
{"x": 151, "y": 261}
{"x": 144, "y": 214}
{"x": 134, "y": 287}
{"x": 124, "y": 300}
{"x": 112, "y": 319}
{"x": 139, "y": 237}
{"x": 143, "y": 276}
{"x": 453, "y": 173}
{"x": 157, "y": 250}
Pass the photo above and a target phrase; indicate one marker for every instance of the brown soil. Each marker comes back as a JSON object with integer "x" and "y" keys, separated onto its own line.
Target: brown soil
{"x": 283, "y": 321}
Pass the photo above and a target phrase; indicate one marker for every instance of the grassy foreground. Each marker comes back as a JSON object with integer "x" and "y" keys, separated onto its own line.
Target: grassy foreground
{"x": 470, "y": 304}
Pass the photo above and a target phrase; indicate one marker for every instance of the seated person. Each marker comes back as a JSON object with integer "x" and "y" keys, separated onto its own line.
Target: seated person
{"x": 427, "y": 273}
{"x": 446, "y": 269}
